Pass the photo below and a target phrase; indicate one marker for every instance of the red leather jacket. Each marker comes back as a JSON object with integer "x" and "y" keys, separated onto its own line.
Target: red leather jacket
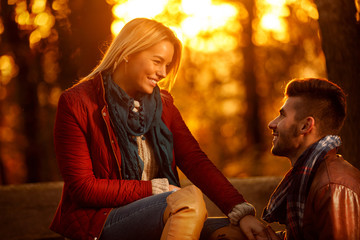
{"x": 89, "y": 160}
{"x": 332, "y": 209}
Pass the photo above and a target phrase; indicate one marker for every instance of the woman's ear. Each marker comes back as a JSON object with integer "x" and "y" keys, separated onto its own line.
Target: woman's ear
{"x": 307, "y": 125}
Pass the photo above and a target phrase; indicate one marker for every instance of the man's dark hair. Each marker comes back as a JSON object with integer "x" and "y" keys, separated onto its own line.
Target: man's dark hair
{"x": 323, "y": 100}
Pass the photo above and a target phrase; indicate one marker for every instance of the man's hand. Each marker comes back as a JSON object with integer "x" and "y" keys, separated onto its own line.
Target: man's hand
{"x": 253, "y": 228}
{"x": 272, "y": 235}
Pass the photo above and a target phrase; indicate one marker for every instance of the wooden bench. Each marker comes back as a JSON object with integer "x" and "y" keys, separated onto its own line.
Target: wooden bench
{"x": 26, "y": 210}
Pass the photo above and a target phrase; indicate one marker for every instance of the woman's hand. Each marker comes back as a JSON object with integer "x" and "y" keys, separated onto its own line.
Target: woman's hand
{"x": 253, "y": 228}
{"x": 173, "y": 188}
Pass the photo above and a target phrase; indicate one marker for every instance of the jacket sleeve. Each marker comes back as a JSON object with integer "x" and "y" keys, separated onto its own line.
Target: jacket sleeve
{"x": 337, "y": 213}
{"x": 194, "y": 163}
{"x": 71, "y": 135}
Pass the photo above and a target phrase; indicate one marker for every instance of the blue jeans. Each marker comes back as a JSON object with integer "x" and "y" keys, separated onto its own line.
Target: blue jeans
{"x": 143, "y": 219}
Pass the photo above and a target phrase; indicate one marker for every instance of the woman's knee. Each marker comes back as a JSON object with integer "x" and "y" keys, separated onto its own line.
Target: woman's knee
{"x": 189, "y": 200}
{"x": 185, "y": 214}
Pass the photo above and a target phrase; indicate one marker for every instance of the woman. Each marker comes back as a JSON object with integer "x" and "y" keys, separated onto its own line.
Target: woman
{"x": 118, "y": 141}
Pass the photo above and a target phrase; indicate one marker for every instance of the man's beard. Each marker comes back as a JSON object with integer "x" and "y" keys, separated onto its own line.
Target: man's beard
{"x": 284, "y": 145}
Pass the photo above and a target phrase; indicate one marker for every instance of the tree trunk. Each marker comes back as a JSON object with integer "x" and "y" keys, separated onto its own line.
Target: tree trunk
{"x": 90, "y": 27}
{"x": 341, "y": 45}
{"x": 253, "y": 119}
{"x": 26, "y": 93}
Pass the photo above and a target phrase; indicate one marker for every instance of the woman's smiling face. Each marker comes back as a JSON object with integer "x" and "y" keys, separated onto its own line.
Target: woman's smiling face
{"x": 143, "y": 70}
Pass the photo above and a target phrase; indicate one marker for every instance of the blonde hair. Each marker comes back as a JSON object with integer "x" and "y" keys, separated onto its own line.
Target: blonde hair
{"x": 138, "y": 35}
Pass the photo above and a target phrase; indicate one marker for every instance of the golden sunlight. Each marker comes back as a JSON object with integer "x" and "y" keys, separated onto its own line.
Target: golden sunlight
{"x": 125, "y": 11}
{"x": 273, "y": 18}
{"x": 271, "y": 22}
{"x": 38, "y": 6}
{"x": 203, "y": 16}
{"x": 8, "y": 69}
{"x": 42, "y": 19}
{"x": 39, "y": 21}
{"x": 1, "y": 27}
{"x": 274, "y": 12}
{"x": 199, "y": 18}
{"x": 276, "y": 2}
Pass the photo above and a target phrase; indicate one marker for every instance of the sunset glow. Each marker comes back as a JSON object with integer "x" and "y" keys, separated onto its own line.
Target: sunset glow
{"x": 273, "y": 16}
{"x": 199, "y": 18}
{"x": 38, "y": 6}
{"x": 203, "y": 16}
{"x": 1, "y": 26}
{"x": 39, "y": 20}
{"x": 209, "y": 27}
{"x": 236, "y": 57}
{"x": 8, "y": 69}
{"x": 125, "y": 11}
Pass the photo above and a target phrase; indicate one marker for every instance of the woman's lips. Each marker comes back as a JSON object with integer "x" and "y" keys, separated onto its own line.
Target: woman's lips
{"x": 153, "y": 82}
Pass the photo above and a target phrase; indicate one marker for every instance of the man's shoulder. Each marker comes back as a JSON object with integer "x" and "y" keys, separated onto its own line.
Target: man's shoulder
{"x": 335, "y": 171}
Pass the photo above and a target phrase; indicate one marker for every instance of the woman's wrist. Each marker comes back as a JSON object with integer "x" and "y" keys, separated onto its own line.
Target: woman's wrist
{"x": 240, "y": 211}
{"x": 159, "y": 185}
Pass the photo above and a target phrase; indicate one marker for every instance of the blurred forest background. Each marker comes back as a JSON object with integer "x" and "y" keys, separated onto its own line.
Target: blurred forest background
{"x": 238, "y": 56}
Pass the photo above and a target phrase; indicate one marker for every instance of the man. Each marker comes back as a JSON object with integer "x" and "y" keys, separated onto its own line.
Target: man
{"x": 319, "y": 198}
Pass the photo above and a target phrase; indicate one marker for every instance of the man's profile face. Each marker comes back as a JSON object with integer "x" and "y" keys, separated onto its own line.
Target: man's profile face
{"x": 286, "y": 129}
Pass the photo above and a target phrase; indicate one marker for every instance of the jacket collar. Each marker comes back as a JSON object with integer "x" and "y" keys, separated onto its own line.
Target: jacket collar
{"x": 98, "y": 82}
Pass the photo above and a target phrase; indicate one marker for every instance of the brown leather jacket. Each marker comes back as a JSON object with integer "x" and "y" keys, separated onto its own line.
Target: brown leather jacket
{"x": 332, "y": 209}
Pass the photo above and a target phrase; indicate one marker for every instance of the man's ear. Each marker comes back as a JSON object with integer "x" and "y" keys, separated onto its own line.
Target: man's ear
{"x": 307, "y": 125}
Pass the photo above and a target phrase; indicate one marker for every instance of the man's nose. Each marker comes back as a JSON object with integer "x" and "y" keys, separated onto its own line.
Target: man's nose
{"x": 272, "y": 125}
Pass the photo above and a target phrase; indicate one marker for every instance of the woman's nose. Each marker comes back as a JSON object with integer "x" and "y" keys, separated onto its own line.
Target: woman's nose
{"x": 161, "y": 72}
